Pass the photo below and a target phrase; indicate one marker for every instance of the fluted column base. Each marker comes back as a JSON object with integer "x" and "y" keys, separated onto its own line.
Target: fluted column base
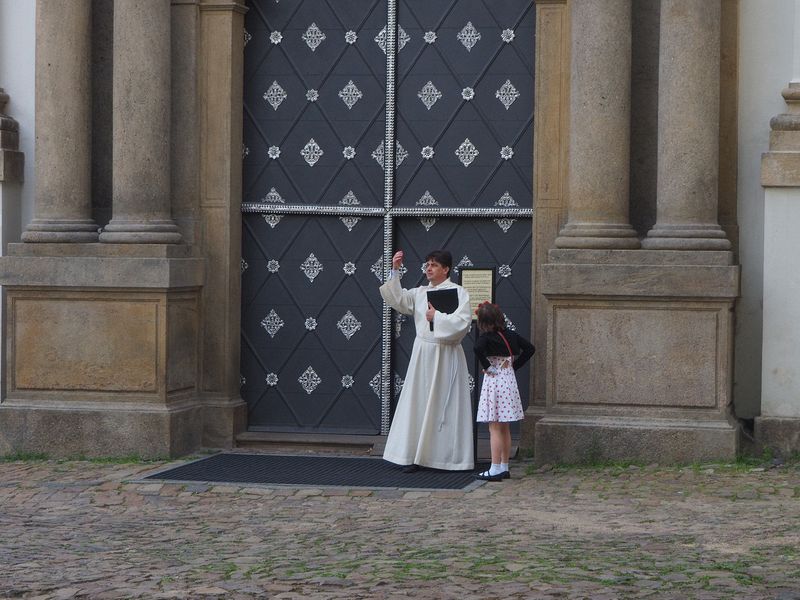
{"x": 686, "y": 237}
{"x": 140, "y": 232}
{"x": 601, "y": 236}
{"x": 75, "y": 231}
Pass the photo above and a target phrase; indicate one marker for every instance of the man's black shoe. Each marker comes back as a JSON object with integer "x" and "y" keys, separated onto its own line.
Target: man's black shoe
{"x": 410, "y": 468}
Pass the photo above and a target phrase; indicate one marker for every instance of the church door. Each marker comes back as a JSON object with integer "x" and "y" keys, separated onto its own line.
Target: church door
{"x": 373, "y": 125}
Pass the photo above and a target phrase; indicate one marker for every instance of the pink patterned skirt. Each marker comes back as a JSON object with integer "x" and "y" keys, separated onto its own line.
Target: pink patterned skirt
{"x": 500, "y": 400}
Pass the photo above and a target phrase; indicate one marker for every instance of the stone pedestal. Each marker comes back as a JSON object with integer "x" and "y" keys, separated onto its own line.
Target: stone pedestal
{"x": 639, "y": 352}
{"x": 102, "y": 349}
{"x": 778, "y": 427}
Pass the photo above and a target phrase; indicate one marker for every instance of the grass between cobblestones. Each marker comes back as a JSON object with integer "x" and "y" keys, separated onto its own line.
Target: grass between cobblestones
{"x": 99, "y": 460}
{"x": 617, "y": 564}
{"x": 742, "y": 464}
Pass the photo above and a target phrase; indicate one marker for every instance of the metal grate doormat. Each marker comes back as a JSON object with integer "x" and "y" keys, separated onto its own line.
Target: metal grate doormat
{"x": 314, "y": 471}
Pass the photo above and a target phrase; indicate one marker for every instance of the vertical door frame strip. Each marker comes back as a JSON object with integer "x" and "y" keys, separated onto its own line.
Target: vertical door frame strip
{"x": 388, "y": 201}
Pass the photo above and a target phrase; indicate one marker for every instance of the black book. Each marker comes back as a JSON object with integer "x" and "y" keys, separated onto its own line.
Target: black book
{"x": 445, "y": 301}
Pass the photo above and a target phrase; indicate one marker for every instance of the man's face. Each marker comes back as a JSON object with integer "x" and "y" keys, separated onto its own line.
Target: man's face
{"x": 435, "y": 272}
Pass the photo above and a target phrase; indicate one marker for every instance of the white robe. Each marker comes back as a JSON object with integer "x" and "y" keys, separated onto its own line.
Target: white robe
{"x": 432, "y": 425}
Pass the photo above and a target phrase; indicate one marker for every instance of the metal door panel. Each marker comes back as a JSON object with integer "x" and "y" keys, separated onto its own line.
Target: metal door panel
{"x": 311, "y": 322}
{"x": 467, "y": 131}
{"x": 300, "y": 114}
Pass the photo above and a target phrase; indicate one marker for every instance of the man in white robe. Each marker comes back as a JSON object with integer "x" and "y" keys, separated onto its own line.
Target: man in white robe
{"x": 432, "y": 425}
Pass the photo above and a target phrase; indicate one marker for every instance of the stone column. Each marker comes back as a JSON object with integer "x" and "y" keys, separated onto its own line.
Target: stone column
{"x": 63, "y": 203}
{"x": 141, "y": 144}
{"x": 599, "y": 159}
{"x": 688, "y": 128}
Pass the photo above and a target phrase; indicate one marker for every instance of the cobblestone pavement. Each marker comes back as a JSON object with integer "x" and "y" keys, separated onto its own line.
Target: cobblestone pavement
{"x": 88, "y": 530}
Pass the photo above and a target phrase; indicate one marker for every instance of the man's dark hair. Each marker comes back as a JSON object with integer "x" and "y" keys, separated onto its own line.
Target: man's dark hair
{"x": 443, "y": 257}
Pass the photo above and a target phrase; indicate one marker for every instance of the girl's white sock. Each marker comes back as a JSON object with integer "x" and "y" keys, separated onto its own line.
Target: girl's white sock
{"x": 495, "y": 469}
{"x": 503, "y": 467}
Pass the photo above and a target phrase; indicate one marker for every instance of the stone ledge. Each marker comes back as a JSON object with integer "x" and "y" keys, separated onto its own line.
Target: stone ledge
{"x": 779, "y": 434}
{"x": 101, "y": 272}
{"x": 146, "y": 431}
{"x": 582, "y": 439}
{"x": 102, "y": 250}
{"x": 676, "y": 281}
{"x": 715, "y": 258}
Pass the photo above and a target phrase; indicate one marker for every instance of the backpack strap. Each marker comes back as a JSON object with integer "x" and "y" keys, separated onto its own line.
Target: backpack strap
{"x": 510, "y": 353}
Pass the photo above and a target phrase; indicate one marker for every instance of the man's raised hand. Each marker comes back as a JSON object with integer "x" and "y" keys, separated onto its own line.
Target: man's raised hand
{"x": 397, "y": 260}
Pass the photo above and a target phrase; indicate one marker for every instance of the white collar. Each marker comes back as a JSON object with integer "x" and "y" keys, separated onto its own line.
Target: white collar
{"x": 444, "y": 284}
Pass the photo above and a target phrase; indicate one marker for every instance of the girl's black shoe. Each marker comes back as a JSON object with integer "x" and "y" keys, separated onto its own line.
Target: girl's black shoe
{"x": 486, "y": 477}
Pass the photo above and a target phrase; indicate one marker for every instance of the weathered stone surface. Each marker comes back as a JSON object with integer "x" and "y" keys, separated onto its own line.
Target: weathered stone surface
{"x": 600, "y": 357}
{"x": 779, "y": 434}
{"x": 710, "y": 258}
{"x": 103, "y": 353}
{"x": 94, "y": 342}
{"x": 780, "y": 169}
{"x": 101, "y": 271}
{"x": 686, "y": 281}
{"x": 551, "y": 132}
{"x": 597, "y": 438}
{"x": 102, "y": 342}
{"x": 632, "y": 340}
{"x": 82, "y": 429}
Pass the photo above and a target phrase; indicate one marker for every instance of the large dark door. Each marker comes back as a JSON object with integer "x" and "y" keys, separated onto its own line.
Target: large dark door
{"x": 372, "y": 125}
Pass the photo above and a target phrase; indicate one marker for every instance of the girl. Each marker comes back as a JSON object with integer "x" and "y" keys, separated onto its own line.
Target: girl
{"x": 500, "y": 402}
